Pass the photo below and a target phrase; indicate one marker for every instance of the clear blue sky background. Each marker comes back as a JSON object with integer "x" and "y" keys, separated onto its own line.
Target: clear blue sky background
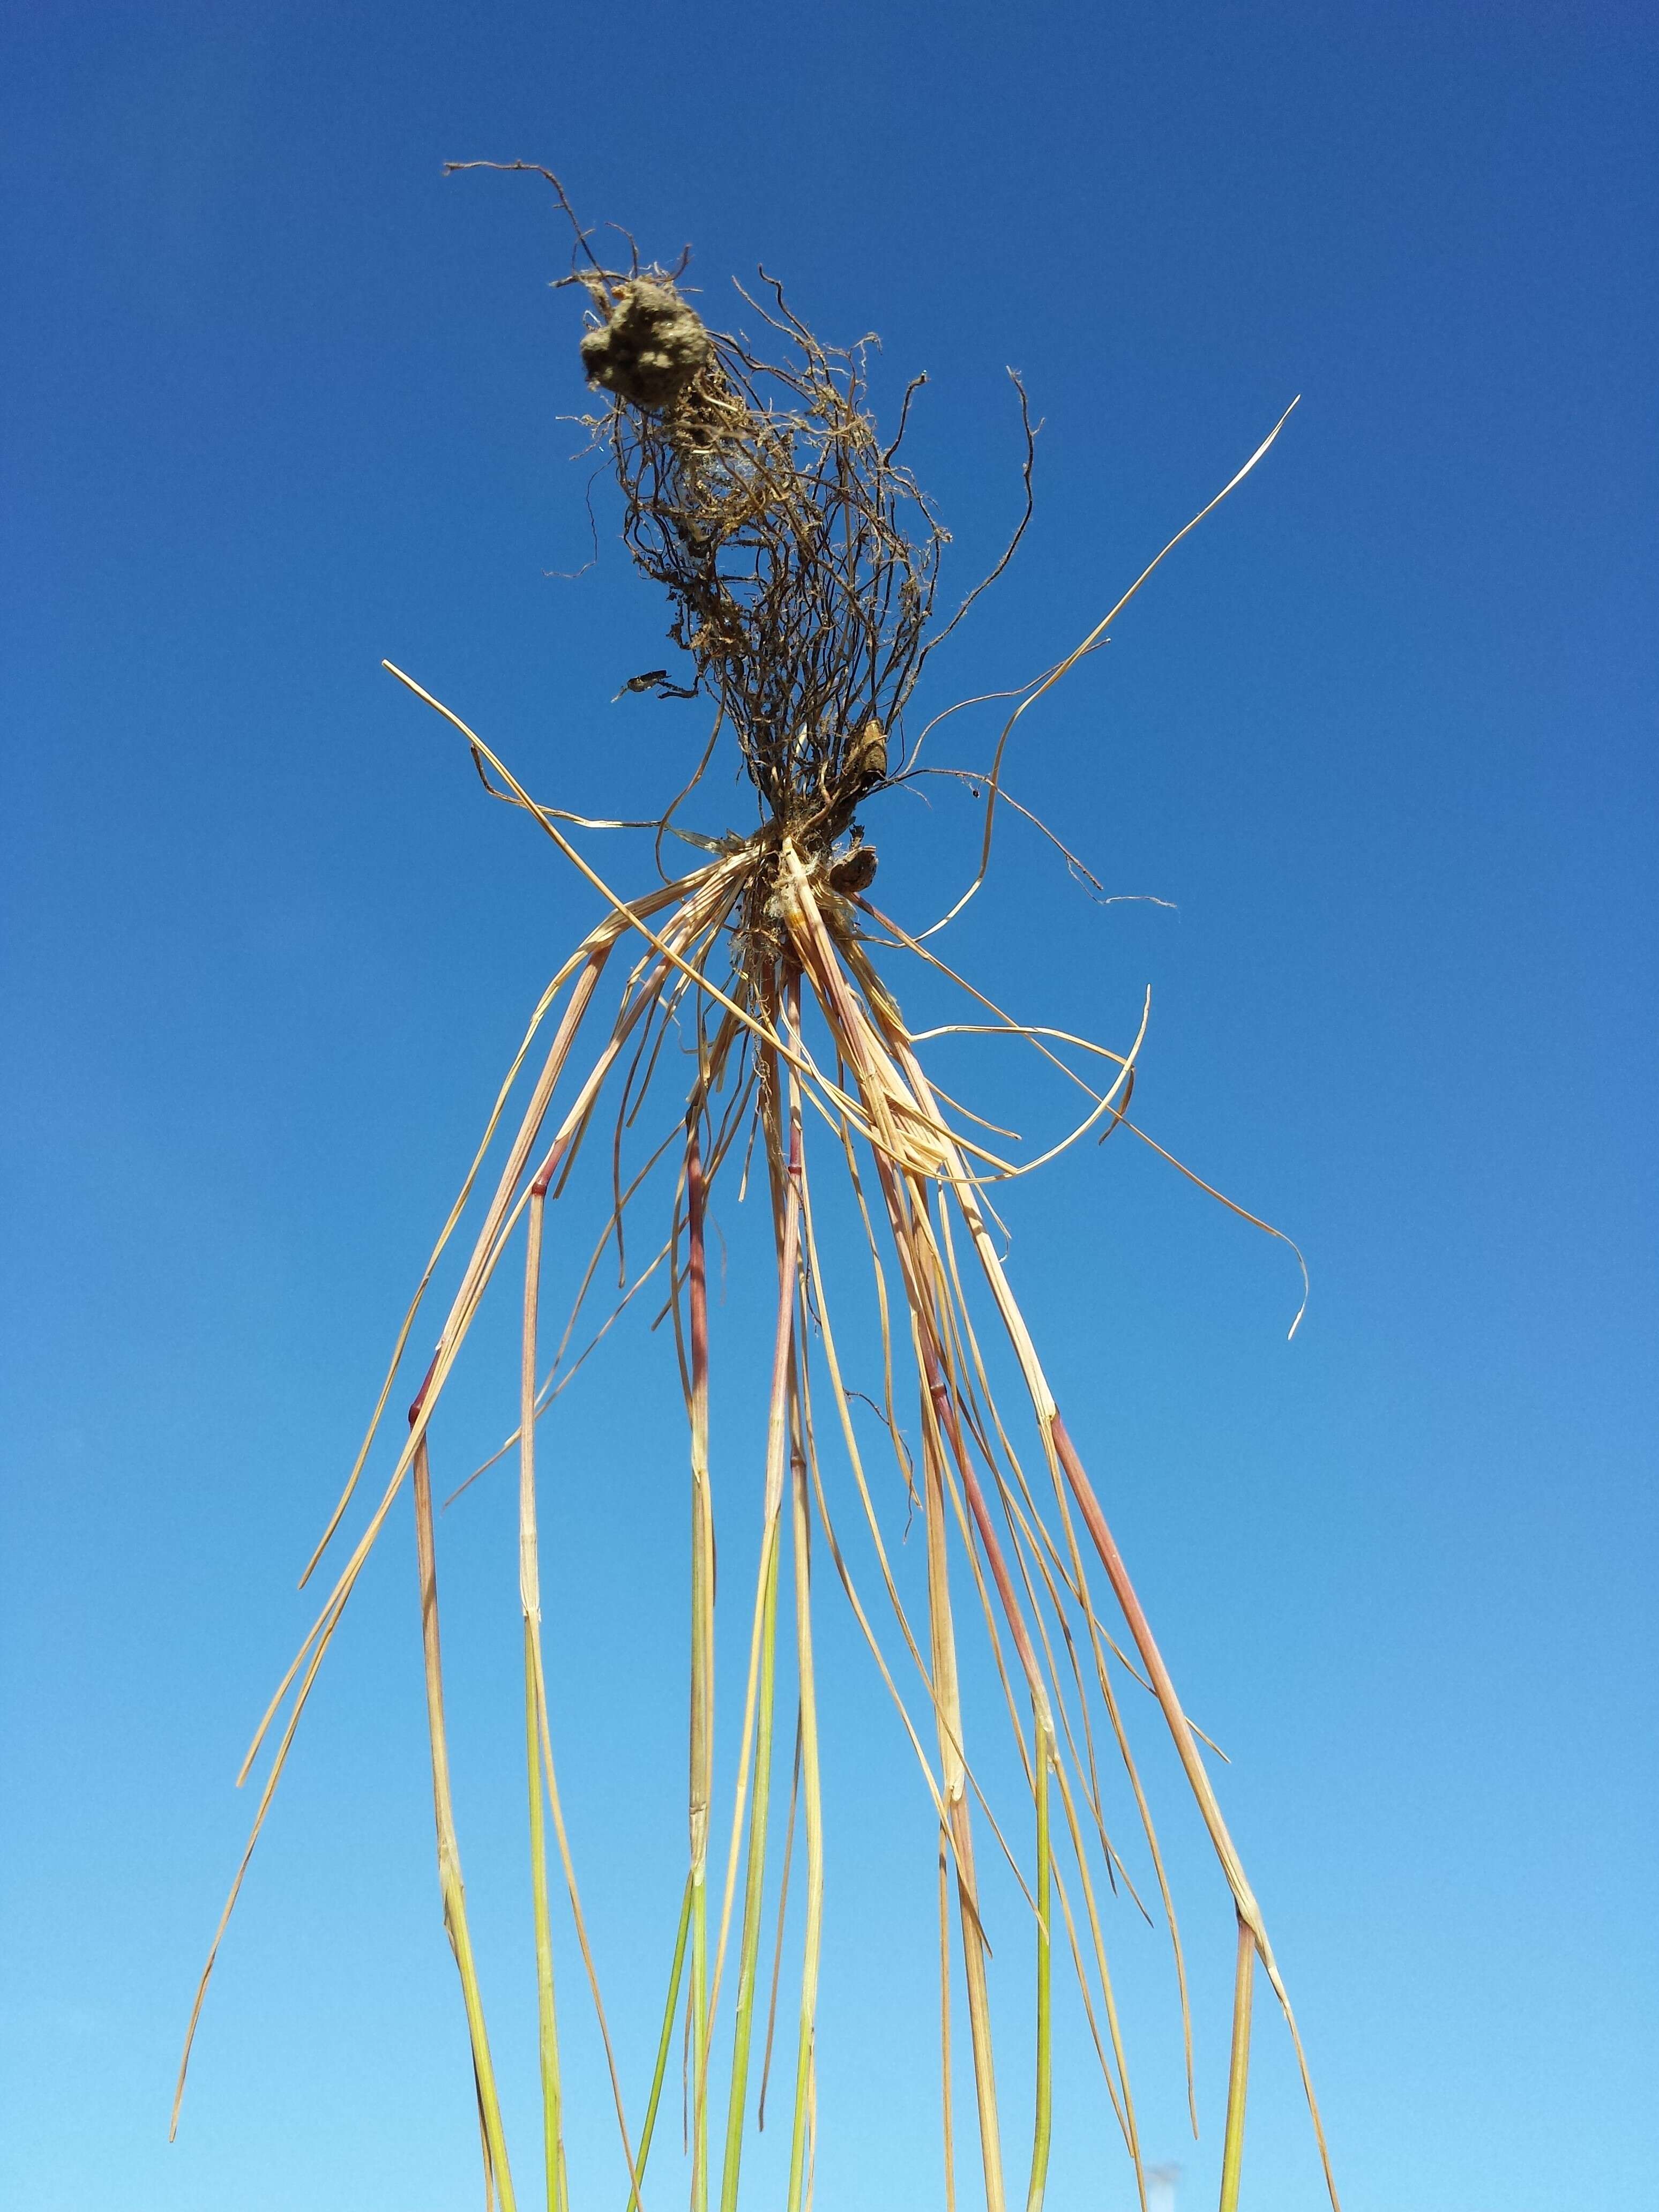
{"x": 280, "y": 401}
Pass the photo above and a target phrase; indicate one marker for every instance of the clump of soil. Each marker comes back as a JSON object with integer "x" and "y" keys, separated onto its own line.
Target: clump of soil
{"x": 649, "y": 348}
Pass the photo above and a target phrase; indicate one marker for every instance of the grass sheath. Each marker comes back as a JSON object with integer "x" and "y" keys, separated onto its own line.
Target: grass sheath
{"x": 1042, "y": 2126}
{"x": 449, "y": 1852}
{"x": 801, "y": 560}
{"x": 1238, "y": 2070}
{"x": 529, "y": 1598}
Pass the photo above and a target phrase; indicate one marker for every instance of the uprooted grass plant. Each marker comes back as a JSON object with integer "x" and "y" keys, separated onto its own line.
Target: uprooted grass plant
{"x": 801, "y": 563}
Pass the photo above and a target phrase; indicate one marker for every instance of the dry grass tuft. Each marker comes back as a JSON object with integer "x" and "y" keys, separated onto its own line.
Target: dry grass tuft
{"x": 801, "y": 563}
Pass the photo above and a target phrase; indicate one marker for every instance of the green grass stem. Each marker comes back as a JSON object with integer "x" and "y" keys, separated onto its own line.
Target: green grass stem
{"x": 1238, "y": 2071}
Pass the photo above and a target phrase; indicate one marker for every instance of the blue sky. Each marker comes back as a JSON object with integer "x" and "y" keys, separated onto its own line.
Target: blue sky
{"x": 281, "y": 401}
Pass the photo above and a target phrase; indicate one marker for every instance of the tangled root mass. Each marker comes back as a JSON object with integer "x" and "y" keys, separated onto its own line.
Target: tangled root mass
{"x": 799, "y": 556}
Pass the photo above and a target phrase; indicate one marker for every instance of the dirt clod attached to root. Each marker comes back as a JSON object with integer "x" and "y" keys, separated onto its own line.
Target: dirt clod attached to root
{"x": 649, "y": 348}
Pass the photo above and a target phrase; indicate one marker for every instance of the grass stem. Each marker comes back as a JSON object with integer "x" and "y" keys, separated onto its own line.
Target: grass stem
{"x": 1238, "y": 2071}
{"x": 449, "y": 1855}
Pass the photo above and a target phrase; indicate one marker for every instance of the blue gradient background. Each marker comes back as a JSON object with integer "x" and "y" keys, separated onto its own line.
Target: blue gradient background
{"x": 281, "y": 401}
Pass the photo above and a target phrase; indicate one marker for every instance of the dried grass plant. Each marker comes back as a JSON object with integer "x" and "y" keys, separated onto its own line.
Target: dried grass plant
{"x": 801, "y": 563}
